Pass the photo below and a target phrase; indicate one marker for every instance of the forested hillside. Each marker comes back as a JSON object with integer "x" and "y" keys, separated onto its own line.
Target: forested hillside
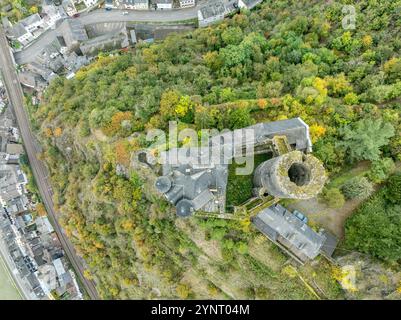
{"x": 285, "y": 59}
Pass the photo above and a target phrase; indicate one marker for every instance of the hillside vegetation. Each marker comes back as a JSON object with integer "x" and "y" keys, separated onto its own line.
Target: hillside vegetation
{"x": 285, "y": 59}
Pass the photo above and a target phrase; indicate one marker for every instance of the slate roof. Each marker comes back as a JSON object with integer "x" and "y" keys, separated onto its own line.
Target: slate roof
{"x": 73, "y": 32}
{"x": 206, "y": 169}
{"x": 213, "y": 9}
{"x": 276, "y": 221}
{"x": 329, "y": 244}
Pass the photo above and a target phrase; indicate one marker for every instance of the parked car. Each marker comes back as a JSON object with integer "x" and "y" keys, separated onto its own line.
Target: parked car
{"x": 300, "y": 216}
{"x": 76, "y": 15}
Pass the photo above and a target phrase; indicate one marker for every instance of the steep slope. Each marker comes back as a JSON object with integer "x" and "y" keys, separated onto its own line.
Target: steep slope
{"x": 285, "y": 59}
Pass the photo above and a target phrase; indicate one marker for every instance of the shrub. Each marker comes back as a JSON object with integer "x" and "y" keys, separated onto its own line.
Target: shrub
{"x": 358, "y": 187}
{"x": 333, "y": 197}
{"x": 393, "y": 190}
{"x": 381, "y": 169}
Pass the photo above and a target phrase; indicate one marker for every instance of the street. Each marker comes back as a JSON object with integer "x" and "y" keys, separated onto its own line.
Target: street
{"x": 16, "y": 98}
{"x": 103, "y": 16}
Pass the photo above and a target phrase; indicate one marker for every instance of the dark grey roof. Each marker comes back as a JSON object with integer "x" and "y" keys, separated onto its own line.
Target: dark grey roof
{"x": 329, "y": 244}
{"x": 73, "y": 32}
{"x": 107, "y": 41}
{"x": 33, "y": 281}
{"x": 204, "y": 169}
{"x": 18, "y": 30}
{"x": 298, "y": 234}
{"x": 185, "y": 208}
{"x": 34, "y": 18}
{"x": 213, "y": 9}
{"x": 264, "y": 228}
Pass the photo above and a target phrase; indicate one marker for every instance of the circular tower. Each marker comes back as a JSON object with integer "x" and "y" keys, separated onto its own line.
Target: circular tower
{"x": 293, "y": 175}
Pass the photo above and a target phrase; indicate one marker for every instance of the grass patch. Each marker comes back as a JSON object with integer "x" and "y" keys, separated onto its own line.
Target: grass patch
{"x": 239, "y": 188}
{"x": 338, "y": 180}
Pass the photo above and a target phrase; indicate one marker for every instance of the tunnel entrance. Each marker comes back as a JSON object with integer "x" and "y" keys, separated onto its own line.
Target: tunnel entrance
{"x": 299, "y": 174}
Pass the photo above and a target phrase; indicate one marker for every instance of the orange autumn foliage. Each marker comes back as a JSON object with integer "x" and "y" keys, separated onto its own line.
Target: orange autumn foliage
{"x": 57, "y": 132}
{"x": 41, "y": 210}
{"x": 116, "y": 121}
{"x": 122, "y": 150}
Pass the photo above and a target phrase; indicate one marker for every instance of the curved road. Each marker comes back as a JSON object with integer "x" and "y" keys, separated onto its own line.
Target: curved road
{"x": 40, "y": 173}
{"x": 103, "y": 16}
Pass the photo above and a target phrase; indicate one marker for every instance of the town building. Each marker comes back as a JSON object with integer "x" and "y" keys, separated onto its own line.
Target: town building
{"x": 211, "y": 13}
{"x": 73, "y": 33}
{"x": 12, "y": 182}
{"x": 135, "y": 4}
{"x": 90, "y": 3}
{"x": 248, "y": 4}
{"x": 164, "y": 4}
{"x": 52, "y": 13}
{"x": 35, "y": 253}
{"x": 27, "y": 29}
{"x": 187, "y": 3}
{"x": 109, "y": 41}
{"x": 31, "y": 80}
{"x": 14, "y": 149}
{"x": 69, "y": 7}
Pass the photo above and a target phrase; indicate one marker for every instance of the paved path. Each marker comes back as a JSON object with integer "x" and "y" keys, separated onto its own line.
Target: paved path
{"x": 103, "y": 16}
{"x": 16, "y": 98}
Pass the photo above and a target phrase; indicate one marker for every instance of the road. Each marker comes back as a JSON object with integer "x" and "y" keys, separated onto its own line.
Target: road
{"x": 9, "y": 266}
{"x": 40, "y": 173}
{"x": 103, "y": 16}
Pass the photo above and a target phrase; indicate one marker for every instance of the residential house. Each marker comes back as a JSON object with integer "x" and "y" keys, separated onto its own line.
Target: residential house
{"x": 211, "y": 13}
{"x": 32, "y": 80}
{"x": 46, "y": 73}
{"x": 47, "y": 278}
{"x": 27, "y": 29}
{"x": 14, "y": 149}
{"x": 187, "y": 3}
{"x": 52, "y": 13}
{"x": 164, "y": 4}
{"x": 12, "y": 182}
{"x": 89, "y": 3}
{"x": 135, "y": 4}
{"x": 69, "y": 7}
{"x": 248, "y": 4}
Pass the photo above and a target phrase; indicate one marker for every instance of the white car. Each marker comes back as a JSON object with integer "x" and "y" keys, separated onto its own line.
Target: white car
{"x": 125, "y": 13}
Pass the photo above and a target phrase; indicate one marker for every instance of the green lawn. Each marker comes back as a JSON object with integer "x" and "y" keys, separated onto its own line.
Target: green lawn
{"x": 338, "y": 180}
{"x": 239, "y": 188}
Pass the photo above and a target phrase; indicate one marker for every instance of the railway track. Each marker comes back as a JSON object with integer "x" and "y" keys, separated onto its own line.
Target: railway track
{"x": 40, "y": 172}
